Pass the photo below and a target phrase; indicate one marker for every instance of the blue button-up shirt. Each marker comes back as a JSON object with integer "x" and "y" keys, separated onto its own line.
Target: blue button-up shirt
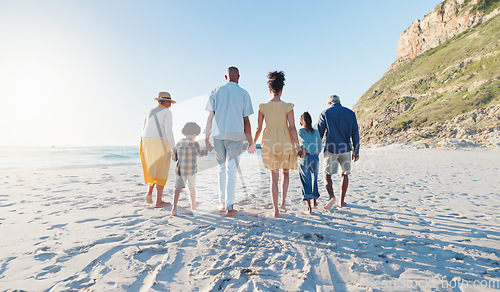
{"x": 231, "y": 104}
{"x": 340, "y": 126}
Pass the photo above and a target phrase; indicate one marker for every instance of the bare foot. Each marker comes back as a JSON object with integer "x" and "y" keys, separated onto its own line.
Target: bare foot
{"x": 162, "y": 204}
{"x": 315, "y": 206}
{"x": 276, "y": 214}
{"x": 195, "y": 206}
{"x": 283, "y": 209}
{"x": 342, "y": 205}
{"x": 330, "y": 203}
{"x": 149, "y": 198}
{"x": 308, "y": 212}
{"x": 174, "y": 212}
{"x": 222, "y": 207}
{"x": 230, "y": 213}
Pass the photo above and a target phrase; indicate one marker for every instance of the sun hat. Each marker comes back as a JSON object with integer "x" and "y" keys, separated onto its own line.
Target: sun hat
{"x": 164, "y": 96}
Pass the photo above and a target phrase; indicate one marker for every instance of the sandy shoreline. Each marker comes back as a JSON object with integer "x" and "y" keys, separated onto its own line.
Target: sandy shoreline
{"x": 413, "y": 214}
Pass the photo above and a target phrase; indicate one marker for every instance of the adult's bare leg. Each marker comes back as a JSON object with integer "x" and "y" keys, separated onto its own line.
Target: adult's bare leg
{"x": 159, "y": 194}
{"x": 329, "y": 189}
{"x": 149, "y": 195}
{"x": 274, "y": 191}
{"x": 343, "y": 187}
{"x": 284, "y": 189}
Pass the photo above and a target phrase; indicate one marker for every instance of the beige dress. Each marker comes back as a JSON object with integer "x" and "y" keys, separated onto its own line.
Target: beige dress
{"x": 157, "y": 141}
{"x": 278, "y": 148}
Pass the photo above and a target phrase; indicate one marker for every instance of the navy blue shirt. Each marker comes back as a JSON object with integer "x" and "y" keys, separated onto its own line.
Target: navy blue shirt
{"x": 340, "y": 126}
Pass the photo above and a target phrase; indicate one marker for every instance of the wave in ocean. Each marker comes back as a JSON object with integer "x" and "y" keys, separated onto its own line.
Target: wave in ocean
{"x": 31, "y": 158}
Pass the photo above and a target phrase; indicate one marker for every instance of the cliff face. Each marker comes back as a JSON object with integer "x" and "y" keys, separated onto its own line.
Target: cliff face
{"x": 445, "y": 21}
{"x": 445, "y": 84}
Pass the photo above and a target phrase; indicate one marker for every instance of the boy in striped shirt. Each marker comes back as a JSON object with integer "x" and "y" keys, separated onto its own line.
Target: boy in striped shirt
{"x": 186, "y": 154}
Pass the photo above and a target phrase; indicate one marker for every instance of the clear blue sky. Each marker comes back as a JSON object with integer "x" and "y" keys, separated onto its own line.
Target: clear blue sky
{"x": 86, "y": 72}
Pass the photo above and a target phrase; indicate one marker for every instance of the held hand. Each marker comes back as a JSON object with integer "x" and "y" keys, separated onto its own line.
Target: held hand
{"x": 300, "y": 151}
{"x": 209, "y": 146}
{"x": 355, "y": 157}
{"x": 252, "y": 149}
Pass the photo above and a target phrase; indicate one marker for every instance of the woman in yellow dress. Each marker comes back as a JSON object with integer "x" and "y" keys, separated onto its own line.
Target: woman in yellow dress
{"x": 157, "y": 143}
{"x": 280, "y": 143}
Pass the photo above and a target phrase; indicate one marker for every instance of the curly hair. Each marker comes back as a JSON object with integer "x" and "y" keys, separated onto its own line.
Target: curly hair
{"x": 191, "y": 128}
{"x": 276, "y": 81}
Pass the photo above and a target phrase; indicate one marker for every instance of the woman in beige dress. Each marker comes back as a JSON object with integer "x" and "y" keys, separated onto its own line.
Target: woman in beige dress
{"x": 157, "y": 143}
{"x": 280, "y": 143}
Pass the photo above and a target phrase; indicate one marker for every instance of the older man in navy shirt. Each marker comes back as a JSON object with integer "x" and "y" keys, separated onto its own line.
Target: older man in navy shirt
{"x": 340, "y": 126}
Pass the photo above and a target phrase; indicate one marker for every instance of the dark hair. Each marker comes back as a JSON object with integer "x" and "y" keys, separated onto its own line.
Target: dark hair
{"x": 276, "y": 81}
{"x": 306, "y": 118}
{"x": 191, "y": 128}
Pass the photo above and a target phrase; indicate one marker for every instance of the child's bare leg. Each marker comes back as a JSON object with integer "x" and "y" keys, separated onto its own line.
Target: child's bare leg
{"x": 309, "y": 207}
{"x": 176, "y": 199}
{"x": 159, "y": 201}
{"x": 315, "y": 206}
{"x": 274, "y": 191}
{"x": 192, "y": 195}
{"x": 149, "y": 195}
{"x": 286, "y": 182}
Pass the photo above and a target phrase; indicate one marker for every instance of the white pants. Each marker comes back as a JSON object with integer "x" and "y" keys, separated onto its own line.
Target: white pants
{"x": 227, "y": 153}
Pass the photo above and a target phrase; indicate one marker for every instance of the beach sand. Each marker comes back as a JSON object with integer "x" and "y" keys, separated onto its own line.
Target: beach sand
{"x": 422, "y": 217}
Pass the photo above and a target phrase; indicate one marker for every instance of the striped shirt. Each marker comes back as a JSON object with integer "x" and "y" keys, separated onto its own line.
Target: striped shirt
{"x": 186, "y": 154}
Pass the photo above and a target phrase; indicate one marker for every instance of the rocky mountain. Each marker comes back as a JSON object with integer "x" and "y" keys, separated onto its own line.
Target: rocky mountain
{"x": 444, "y": 87}
{"x": 445, "y": 21}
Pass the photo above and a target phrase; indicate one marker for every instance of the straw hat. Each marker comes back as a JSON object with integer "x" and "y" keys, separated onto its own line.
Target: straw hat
{"x": 164, "y": 96}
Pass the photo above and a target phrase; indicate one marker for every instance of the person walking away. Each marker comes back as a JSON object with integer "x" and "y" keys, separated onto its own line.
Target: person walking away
{"x": 309, "y": 140}
{"x": 157, "y": 141}
{"x": 279, "y": 139}
{"x": 229, "y": 106}
{"x": 186, "y": 154}
{"x": 340, "y": 127}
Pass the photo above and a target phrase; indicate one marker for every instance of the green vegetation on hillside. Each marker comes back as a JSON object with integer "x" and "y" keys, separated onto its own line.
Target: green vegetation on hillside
{"x": 456, "y": 77}
{"x": 485, "y": 6}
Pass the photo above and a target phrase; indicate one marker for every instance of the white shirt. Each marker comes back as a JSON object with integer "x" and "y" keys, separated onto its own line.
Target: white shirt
{"x": 159, "y": 127}
{"x": 230, "y": 103}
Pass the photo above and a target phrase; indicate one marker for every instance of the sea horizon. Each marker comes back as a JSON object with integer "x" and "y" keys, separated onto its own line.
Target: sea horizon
{"x": 29, "y": 158}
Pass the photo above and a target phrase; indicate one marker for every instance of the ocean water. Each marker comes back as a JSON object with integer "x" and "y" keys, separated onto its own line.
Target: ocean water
{"x": 36, "y": 158}
{"x": 33, "y": 158}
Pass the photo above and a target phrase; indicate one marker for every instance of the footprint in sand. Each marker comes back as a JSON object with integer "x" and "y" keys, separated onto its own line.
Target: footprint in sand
{"x": 87, "y": 220}
{"x": 57, "y": 226}
{"x": 49, "y": 270}
{"x": 147, "y": 253}
{"x": 45, "y": 256}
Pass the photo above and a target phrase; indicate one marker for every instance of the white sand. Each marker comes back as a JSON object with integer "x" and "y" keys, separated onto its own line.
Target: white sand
{"x": 422, "y": 215}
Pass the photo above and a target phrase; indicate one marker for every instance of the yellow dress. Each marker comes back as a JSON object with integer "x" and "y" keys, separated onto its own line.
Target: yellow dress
{"x": 278, "y": 148}
{"x": 155, "y": 157}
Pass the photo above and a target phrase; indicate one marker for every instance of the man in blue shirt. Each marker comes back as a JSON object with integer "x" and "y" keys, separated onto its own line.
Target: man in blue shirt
{"x": 340, "y": 126}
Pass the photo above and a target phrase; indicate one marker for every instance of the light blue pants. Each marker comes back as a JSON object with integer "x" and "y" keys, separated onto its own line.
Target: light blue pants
{"x": 227, "y": 153}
